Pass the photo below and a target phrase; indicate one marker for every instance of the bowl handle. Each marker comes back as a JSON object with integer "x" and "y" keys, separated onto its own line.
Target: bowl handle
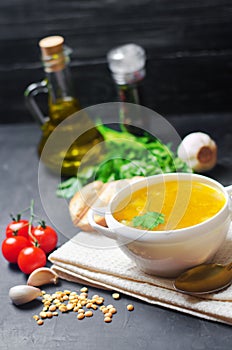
{"x": 229, "y": 191}
{"x": 101, "y": 229}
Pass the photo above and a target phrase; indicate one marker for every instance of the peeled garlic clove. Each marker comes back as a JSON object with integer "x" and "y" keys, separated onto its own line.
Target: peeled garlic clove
{"x": 199, "y": 151}
{"x": 41, "y": 276}
{"x": 22, "y": 294}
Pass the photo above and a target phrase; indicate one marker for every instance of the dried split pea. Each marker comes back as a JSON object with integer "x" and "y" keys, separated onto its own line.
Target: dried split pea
{"x": 84, "y": 295}
{"x": 49, "y": 314}
{"x": 88, "y": 313}
{"x": 108, "y": 314}
{"x": 84, "y": 290}
{"x": 52, "y": 308}
{"x": 40, "y": 322}
{"x": 70, "y": 306}
{"x": 107, "y": 319}
{"x": 95, "y": 296}
{"x": 113, "y": 310}
{"x": 81, "y": 311}
{"x": 81, "y": 316}
{"x": 104, "y": 310}
{"x": 43, "y": 314}
{"x": 47, "y": 296}
{"x": 130, "y": 307}
{"x": 66, "y": 291}
{"x": 116, "y": 296}
{"x": 36, "y": 317}
{"x": 95, "y": 307}
{"x": 73, "y": 293}
{"x": 63, "y": 308}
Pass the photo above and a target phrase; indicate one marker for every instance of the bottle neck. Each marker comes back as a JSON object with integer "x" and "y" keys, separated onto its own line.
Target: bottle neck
{"x": 129, "y": 93}
{"x": 60, "y": 85}
{"x": 58, "y": 75}
{"x": 61, "y": 98}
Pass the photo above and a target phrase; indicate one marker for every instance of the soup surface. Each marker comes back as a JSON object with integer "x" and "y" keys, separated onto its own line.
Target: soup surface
{"x": 183, "y": 204}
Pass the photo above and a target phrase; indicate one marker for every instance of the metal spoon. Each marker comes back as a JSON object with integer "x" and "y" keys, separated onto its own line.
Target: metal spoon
{"x": 206, "y": 278}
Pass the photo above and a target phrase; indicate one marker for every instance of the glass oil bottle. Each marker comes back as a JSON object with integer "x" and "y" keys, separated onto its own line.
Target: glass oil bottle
{"x": 62, "y": 103}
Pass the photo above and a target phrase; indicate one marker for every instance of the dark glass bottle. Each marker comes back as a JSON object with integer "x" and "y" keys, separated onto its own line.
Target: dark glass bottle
{"x": 127, "y": 65}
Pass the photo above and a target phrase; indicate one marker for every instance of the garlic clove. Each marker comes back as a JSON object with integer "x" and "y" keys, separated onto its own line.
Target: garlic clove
{"x": 41, "y": 276}
{"x": 23, "y": 294}
{"x": 199, "y": 151}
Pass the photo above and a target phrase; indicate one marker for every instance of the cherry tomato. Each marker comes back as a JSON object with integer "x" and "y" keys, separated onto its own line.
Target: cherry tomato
{"x": 46, "y": 237}
{"x": 12, "y": 246}
{"x": 31, "y": 258}
{"x": 17, "y": 228}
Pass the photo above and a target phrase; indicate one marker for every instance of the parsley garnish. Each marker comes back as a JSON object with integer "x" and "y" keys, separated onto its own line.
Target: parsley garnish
{"x": 125, "y": 156}
{"x": 149, "y": 220}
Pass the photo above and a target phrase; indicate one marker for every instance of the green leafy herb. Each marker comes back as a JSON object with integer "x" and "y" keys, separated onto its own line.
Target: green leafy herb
{"x": 125, "y": 156}
{"x": 68, "y": 188}
{"x": 149, "y": 220}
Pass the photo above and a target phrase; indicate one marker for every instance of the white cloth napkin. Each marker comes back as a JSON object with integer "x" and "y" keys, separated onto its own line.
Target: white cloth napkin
{"x": 94, "y": 259}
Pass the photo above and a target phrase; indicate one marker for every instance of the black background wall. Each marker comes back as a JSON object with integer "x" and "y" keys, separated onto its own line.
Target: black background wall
{"x": 188, "y": 45}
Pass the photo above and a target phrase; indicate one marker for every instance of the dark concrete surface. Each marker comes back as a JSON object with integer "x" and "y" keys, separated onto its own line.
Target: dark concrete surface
{"x": 148, "y": 327}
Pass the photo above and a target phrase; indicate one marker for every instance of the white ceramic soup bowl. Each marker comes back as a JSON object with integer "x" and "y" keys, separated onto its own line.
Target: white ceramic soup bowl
{"x": 167, "y": 253}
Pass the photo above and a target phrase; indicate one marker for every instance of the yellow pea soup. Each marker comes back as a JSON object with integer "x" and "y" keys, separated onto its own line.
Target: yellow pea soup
{"x": 183, "y": 204}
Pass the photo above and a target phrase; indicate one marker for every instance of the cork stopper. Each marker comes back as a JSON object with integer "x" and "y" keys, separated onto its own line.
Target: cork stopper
{"x": 51, "y": 45}
{"x": 52, "y": 53}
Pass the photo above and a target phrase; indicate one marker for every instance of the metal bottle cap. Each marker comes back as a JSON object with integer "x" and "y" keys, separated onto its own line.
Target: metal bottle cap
{"x": 127, "y": 63}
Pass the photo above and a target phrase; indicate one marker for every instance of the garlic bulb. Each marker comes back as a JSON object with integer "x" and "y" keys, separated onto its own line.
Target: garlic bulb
{"x": 41, "y": 276}
{"x": 199, "y": 151}
{"x": 22, "y": 294}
